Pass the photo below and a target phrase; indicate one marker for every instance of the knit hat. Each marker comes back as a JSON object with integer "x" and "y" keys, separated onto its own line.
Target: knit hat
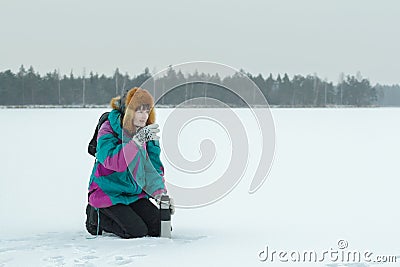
{"x": 131, "y": 101}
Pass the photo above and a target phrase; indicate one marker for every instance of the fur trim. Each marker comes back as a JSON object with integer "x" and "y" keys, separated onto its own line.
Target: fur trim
{"x": 114, "y": 103}
{"x": 135, "y": 98}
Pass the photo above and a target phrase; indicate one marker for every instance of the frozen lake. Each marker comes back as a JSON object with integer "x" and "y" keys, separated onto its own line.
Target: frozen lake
{"x": 335, "y": 177}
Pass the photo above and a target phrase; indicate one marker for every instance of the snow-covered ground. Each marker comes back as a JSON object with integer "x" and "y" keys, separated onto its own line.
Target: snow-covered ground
{"x": 335, "y": 177}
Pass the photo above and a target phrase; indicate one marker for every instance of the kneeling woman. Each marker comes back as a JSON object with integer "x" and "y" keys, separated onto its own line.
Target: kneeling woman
{"x": 127, "y": 170}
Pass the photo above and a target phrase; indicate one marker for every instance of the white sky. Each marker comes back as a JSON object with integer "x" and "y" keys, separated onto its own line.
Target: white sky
{"x": 297, "y": 37}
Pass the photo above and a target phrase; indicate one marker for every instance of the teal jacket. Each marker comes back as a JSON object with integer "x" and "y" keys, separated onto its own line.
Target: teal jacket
{"x": 124, "y": 172}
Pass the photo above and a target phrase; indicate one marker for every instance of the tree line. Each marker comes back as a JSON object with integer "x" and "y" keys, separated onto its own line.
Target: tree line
{"x": 27, "y": 88}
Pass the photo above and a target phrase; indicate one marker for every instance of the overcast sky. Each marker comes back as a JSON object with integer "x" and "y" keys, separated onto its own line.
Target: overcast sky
{"x": 269, "y": 36}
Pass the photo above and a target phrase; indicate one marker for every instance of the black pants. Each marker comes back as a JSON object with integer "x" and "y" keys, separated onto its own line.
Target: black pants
{"x": 141, "y": 218}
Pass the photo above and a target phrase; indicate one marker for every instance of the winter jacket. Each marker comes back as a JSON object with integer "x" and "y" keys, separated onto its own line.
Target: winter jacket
{"x": 123, "y": 172}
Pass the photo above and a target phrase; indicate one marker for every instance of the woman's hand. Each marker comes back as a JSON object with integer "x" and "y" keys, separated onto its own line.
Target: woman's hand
{"x": 171, "y": 202}
{"x": 146, "y": 133}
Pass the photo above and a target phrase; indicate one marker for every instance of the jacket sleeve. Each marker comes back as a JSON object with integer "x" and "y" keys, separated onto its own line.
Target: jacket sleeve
{"x": 154, "y": 151}
{"x": 154, "y": 181}
{"x": 111, "y": 152}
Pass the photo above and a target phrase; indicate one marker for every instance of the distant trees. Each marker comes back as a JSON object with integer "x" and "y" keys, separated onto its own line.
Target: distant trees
{"x": 27, "y": 87}
{"x": 312, "y": 91}
{"x": 388, "y": 95}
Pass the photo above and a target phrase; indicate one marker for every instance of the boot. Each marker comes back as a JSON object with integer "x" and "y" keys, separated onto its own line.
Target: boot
{"x": 91, "y": 221}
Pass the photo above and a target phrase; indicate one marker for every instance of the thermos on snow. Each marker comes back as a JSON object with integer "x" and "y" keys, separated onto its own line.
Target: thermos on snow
{"x": 165, "y": 214}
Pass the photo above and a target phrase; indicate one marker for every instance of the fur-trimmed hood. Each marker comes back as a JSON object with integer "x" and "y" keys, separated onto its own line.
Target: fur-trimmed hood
{"x": 129, "y": 103}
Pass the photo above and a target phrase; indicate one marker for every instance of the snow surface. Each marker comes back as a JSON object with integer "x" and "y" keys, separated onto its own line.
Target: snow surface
{"x": 335, "y": 176}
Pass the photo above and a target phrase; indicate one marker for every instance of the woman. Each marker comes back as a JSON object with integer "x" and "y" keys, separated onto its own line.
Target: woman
{"x": 127, "y": 170}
